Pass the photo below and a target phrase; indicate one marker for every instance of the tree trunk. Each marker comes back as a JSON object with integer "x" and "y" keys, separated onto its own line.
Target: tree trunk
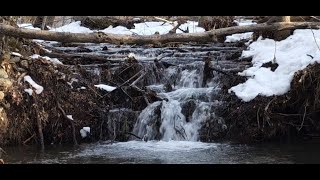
{"x": 44, "y": 21}
{"x": 204, "y": 37}
{"x": 276, "y": 35}
{"x": 281, "y": 35}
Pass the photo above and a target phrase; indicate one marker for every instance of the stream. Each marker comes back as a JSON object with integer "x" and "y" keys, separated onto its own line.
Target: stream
{"x": 171, "y": 152}
{"x": 169, "y": 128}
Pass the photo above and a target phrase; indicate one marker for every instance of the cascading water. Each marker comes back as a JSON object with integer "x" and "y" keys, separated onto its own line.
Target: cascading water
{"x": 184, "y": 110}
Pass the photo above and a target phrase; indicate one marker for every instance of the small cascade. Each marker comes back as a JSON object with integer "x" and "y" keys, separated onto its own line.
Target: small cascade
{"x": 184, "y": 109}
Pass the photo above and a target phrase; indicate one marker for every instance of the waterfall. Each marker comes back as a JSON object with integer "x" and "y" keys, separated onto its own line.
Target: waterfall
{"x": 185, "y": 109}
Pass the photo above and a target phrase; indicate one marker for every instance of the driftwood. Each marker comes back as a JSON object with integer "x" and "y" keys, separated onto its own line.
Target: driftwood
{"x": 99, "y": 37}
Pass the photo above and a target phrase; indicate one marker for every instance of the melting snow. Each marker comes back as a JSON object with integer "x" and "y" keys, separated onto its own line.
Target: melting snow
{"x": 240, "y": 36}
{"x": 38, "y": 88}
{"x": 292, "y": 55}
{"x": 16, "y": 54}
{"x": 84, "y": 132}
{"x": 70, "y": 117}
{"x": 29, "y": 91}
{"x": 105, "y": 87}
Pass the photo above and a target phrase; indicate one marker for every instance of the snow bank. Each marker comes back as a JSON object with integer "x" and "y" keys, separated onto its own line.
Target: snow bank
{"x": 292, "y": 55}
{"x": 38, "y": 88}
{"x": 145, "y": 28}
{"x": 105, "y": 87}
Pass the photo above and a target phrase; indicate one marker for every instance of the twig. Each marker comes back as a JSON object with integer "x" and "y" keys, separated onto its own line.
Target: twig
{"x": 258, "y": 118}
{"x": 133, "y": 135}
{"x": 174, "y": 29}
{"x": 304, "y": 115}
{"x": 172, "y": 23}
{"x": 142, "y": 91}
{"x": 126, "y": 94}
{"x": 314, "y": 38}
{"x": 134, "y": 76}
{"x": 27, "y": 140}
{"x": 177, "y": 130}
{"x": 21, "y": 76}
{"x": 70, "y": 121}
{"x": 138, "y": 79}
{"x": 266, "y": 109}
{"x": 40, "y": 132}
{"x": 95, "y": 92}
{"x": 126, "y": 69}
{"x": 315, "y": 18}
{"x": 2, "y": 151}
{"x": 275, "y": 51}
{"x": 282, "y": 114}
{"x": 101, "y": 132}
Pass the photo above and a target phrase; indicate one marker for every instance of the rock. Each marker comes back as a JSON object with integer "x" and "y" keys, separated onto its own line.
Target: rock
{"x": 5, "y": 83}
{"x": 24, "y": 63}
{"x": 1, "y": 95}
{"x": 14, "y": 60}
{"x": 3, "y": 73}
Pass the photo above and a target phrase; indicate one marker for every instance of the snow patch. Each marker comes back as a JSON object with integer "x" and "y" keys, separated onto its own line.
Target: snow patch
{"x": 70, "y": 117}
{"x": 16, "y": 54}
{"x": 238, "y": 37}
{"x": 29, "y": 91}
{"x": 84, "y": 132}
{"x": 38, "y": 88}
{"x": 105, "y": 87}
{"x": 28, "y": 26}
{"x": 74, "y": 27}
{"x": 35, "y": 56}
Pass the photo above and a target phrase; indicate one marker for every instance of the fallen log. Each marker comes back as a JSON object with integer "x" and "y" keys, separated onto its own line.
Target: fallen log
{"x": 99, "y": 37}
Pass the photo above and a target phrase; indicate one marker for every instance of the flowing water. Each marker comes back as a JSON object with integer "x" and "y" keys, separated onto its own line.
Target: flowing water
{"x": 168, "y": 152}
